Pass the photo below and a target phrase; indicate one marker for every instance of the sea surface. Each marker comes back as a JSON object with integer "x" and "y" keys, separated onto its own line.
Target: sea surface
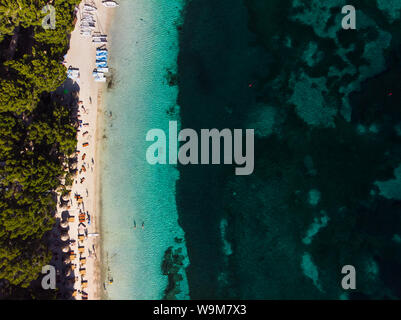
{"x": 325, "y": 192}
{"x": 141, "y": 97}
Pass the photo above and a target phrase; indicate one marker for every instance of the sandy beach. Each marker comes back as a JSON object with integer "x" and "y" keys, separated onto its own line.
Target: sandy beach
{"x": 84, "y": 233}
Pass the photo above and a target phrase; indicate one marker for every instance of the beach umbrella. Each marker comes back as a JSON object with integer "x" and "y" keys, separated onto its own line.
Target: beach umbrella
{"x": 64, "y": 204}
{"x": 65, "y": 237}
{"x": 66, "y": 248}
{"x": 70, "y": 282}
{"x": 82, "y": 271}
{"x": 66, "y": 197}
{"x": 64, "y": 224}
{"x": 68, "y": 272}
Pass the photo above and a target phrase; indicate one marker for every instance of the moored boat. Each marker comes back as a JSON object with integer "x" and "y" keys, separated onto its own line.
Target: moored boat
{"x": 110, "y": 4}
{"x": 89, "y": 8}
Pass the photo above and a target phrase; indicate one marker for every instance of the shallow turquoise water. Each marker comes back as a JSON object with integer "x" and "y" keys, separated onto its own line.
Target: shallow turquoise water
{"x": 144, "y": 47}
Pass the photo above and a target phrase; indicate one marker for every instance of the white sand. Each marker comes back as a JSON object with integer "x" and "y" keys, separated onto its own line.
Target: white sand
{"x": 82, "y": 55}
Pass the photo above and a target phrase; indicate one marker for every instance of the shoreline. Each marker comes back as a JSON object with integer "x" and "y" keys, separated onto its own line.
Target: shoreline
{"x": 132, "y": 191}
{"x": 82, "y": 55}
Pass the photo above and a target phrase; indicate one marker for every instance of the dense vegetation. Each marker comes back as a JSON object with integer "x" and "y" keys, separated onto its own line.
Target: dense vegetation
{"x": 37, "y": 134}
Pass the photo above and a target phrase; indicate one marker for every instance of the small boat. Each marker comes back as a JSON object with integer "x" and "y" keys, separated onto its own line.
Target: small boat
{"x": 101, "y": 64}
{"x": 110, "y": 4}
{"x": 86, "y": 33}
{"x": 101, "y": 53}
{"x": 99, "y": 76}
{"x": 93, "y": 234}
{"x": 99, "y": 40}
{"x": 88, "y": 17}
{"x": 89, "y": 8}
{"x": 104, "y": 70}
{"x": 100, "y": 79}
{"x": 143, "y": 225}
{"x": 101, "y": 58}
{"x": 88, "y": 26}
{"x": 134, "y": 224}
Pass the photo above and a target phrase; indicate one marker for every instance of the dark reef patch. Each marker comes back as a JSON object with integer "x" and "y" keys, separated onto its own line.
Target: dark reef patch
{"x": 171, "y": 266}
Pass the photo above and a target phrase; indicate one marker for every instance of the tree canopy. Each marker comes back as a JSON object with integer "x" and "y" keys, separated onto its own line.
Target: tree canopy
{"x": 37, "y": 133}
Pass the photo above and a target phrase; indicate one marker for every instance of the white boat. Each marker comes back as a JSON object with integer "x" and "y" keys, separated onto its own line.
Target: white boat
{"x": 100, "y": 79}
{"x": 104, "y": 70}
{"x": 88, "y": 19}
{"x": 93, "y": 234}
{"x": 89, "y": 8}
{"x": 86, "y": 25}
{"x": 100, "y": 40}
{"x": 98, "y": 76}
{"x": 73, "y": 73}
{"x": 86, "y": 33}
{"x": 87, "y": 14}
{"x": 110, "y": 4}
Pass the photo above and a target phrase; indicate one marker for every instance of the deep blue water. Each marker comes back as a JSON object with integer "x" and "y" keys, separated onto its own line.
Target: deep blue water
{"x": 324, "y": 103}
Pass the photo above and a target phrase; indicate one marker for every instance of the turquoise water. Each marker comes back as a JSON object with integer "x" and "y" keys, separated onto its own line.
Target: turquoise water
{"x": 144, "y": 47}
